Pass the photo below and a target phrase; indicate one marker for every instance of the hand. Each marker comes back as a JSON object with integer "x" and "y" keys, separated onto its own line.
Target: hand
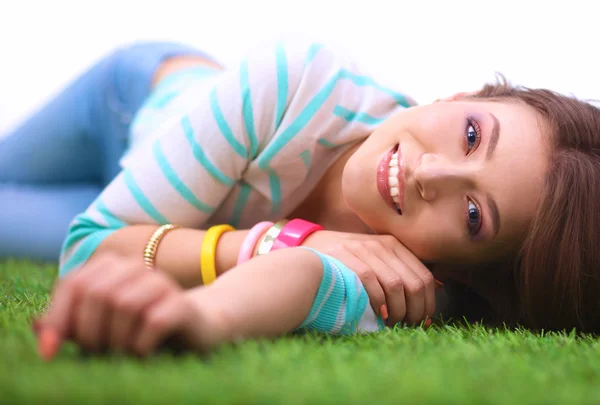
{"x": 116, "y": 305}
{"x": 397, "y": 283}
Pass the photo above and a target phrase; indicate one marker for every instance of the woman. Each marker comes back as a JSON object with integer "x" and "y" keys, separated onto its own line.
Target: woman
{"x": 474, "y": 182}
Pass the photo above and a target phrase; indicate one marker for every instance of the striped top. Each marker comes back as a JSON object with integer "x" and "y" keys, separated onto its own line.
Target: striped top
{"x": 341, "y": 306}
{"x": 237, "y": 147}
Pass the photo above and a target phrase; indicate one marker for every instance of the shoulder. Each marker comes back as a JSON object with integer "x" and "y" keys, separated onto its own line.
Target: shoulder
{"x": 328, "y": 64}
{"x": 306, "y": 58}
{"x": 321, "y": 59}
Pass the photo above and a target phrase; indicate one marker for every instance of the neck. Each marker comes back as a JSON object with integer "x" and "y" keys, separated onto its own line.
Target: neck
{"x": 326, "y": 205}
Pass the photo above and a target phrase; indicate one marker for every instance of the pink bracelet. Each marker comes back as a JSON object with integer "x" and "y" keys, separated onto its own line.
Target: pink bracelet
{"x": 251, "y": 239}
{"x": 294, "y": 233}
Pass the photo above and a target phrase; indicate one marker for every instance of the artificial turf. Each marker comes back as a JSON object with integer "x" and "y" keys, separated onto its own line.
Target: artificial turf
{"x": 467, "y": 364}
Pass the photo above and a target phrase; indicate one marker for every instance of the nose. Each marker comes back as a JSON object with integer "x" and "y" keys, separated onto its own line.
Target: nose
{"x": 435, "y": 175}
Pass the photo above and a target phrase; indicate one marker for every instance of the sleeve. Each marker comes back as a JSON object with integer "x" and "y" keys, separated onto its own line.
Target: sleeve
{"x": 341, "y": 306}
{"x": 197, "y": 155}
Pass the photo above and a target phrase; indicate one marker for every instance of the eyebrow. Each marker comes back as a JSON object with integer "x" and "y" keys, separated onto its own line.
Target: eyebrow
{"x": 493, "y": 208}
{"x": 493, "y": 137}
{"x": 495, "y": 214}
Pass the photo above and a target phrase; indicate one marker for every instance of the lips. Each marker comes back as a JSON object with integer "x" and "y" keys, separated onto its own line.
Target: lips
{"x": 390, "y": 181}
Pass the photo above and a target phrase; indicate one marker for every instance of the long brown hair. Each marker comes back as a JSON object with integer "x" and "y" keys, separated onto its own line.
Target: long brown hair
{"x": 556, "y": 275}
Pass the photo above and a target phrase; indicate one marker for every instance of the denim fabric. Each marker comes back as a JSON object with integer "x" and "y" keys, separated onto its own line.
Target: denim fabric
{"x": 57, "y": 161}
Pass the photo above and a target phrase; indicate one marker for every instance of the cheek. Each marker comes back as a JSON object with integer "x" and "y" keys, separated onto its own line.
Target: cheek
{"x": 433, "y": 131}
{"x": 429, "y": 239}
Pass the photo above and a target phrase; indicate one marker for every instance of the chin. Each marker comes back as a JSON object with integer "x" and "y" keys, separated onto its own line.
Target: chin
{"x": 358, "y": 207}
{"x": 375, "y": 223}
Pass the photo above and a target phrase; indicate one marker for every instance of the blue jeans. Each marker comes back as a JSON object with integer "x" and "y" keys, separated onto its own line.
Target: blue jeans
{"x": 55, "y": 164}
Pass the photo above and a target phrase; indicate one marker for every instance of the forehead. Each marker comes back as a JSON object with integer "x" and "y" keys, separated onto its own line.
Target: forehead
{"x": 516, "y": 117}
{"x": 515, "y": 173}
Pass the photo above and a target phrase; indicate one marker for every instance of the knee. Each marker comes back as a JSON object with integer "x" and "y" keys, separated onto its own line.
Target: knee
{"x": 133, "y": 68}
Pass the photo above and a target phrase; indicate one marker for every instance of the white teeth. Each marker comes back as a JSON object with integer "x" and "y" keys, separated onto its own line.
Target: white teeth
{"x": 393, "y": 179}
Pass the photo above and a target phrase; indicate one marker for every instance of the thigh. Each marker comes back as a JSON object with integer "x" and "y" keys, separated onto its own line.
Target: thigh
{"x": 136, "y": 69}
{"x": 52, "y": 145}
{"x": 35, "y": 219}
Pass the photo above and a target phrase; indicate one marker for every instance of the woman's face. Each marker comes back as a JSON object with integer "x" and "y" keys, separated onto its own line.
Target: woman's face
{"x": 466, "y": 178}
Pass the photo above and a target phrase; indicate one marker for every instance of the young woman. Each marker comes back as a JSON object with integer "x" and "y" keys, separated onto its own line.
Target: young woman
{"x": 493, "y": 191}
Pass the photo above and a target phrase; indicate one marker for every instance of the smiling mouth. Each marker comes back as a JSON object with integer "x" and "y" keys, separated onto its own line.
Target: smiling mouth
{"x": 390, "y": 179}
{"x": 395, "y": 167}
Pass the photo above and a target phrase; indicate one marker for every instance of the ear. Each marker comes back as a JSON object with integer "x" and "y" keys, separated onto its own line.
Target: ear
{"x": 457, "y": 96}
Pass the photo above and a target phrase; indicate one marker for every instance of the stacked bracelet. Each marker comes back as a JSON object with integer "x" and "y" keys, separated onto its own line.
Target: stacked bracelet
{"x": 153, "y": 242}
{"x": 208, "y": 251}
{"x": 285, "y": 234}
{"x": 251, "y": 241}
{"x": 294, "y": 233}
{"x": 266, "y": 242}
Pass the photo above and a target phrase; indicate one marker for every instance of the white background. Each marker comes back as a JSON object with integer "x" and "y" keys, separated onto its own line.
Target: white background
{"x": 428, "y": 49}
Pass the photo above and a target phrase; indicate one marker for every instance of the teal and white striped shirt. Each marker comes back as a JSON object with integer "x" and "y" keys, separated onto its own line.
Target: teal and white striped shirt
{"x": 237, "y": 147}
{"x": 341, "y": 306}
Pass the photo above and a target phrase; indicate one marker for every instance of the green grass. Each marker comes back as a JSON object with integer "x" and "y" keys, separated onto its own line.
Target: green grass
{"x": 444, "y": 364}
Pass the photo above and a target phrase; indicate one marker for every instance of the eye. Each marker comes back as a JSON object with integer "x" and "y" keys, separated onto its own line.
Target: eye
{"x": 473, "y": 218}
{"x": 473, "y": 135}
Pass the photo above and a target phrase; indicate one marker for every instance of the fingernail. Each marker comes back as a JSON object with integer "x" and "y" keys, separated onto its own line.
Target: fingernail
{"x": 439, "y": 284}
{"x": 35, "y": 326}
{"x": 48, "y": 344}
{"x": 384, "y": 313}
{"x": 428, "y": 323}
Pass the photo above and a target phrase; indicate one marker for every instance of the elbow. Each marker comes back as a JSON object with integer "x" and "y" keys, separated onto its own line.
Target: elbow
{"x": 83, "y": 238}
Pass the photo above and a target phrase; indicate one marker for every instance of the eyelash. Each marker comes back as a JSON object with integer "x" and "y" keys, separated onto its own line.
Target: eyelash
{"x": 473, "y": 231}
{"x": 472, "y": 123}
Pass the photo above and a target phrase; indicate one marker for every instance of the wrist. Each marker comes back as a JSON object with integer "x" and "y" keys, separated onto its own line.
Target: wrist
{"x": 208, "y": 316}
{"x": 228, "y": 250}
{"x": 285, "y": 234}
{"x": 319, "y": 239}
{"x": 294, "y": 233}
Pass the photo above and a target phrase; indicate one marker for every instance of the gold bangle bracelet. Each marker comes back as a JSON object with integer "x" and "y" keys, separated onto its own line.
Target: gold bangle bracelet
{"x": 266, "y": 243}
{"x": 153, "y": 242}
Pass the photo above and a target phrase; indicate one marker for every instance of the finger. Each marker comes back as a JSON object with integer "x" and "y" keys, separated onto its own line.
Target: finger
{"x": 58, "y": 317}
{"x": 414, "y": 290}
{"x": 392, "y": 281}
{"x": 162, "y": 320}
{"x": 367, "y": 277}
{"x": 388, "y": 279}
{"x": 131, "y": 299}
{"x": 50, "y": 329}
{"x": 48, "y": 343}
{"x": 55, "y": 324}
{"x": 93, "y": 312}
{"x": 90, "y": 317}
{"x": 418, "y": 268}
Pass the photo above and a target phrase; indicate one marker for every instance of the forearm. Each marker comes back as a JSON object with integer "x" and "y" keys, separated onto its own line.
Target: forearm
{"x": 284, "y": 291}
{"x": 178, "y": 253}
{"x": 268, "y": 296}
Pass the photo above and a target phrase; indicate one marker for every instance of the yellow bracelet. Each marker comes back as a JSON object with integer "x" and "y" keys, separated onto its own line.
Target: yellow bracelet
{"x": 208, "y": 251}
{"x": 153, "y": 242}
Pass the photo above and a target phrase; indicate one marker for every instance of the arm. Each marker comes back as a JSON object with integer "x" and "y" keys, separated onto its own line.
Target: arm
{"x": 304, "y": 98}
{"x": 306, "y": 290}
{"x": 183, "y": 176}
{"x": 126, "y": 307}
{"x": 179, "y": 252}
